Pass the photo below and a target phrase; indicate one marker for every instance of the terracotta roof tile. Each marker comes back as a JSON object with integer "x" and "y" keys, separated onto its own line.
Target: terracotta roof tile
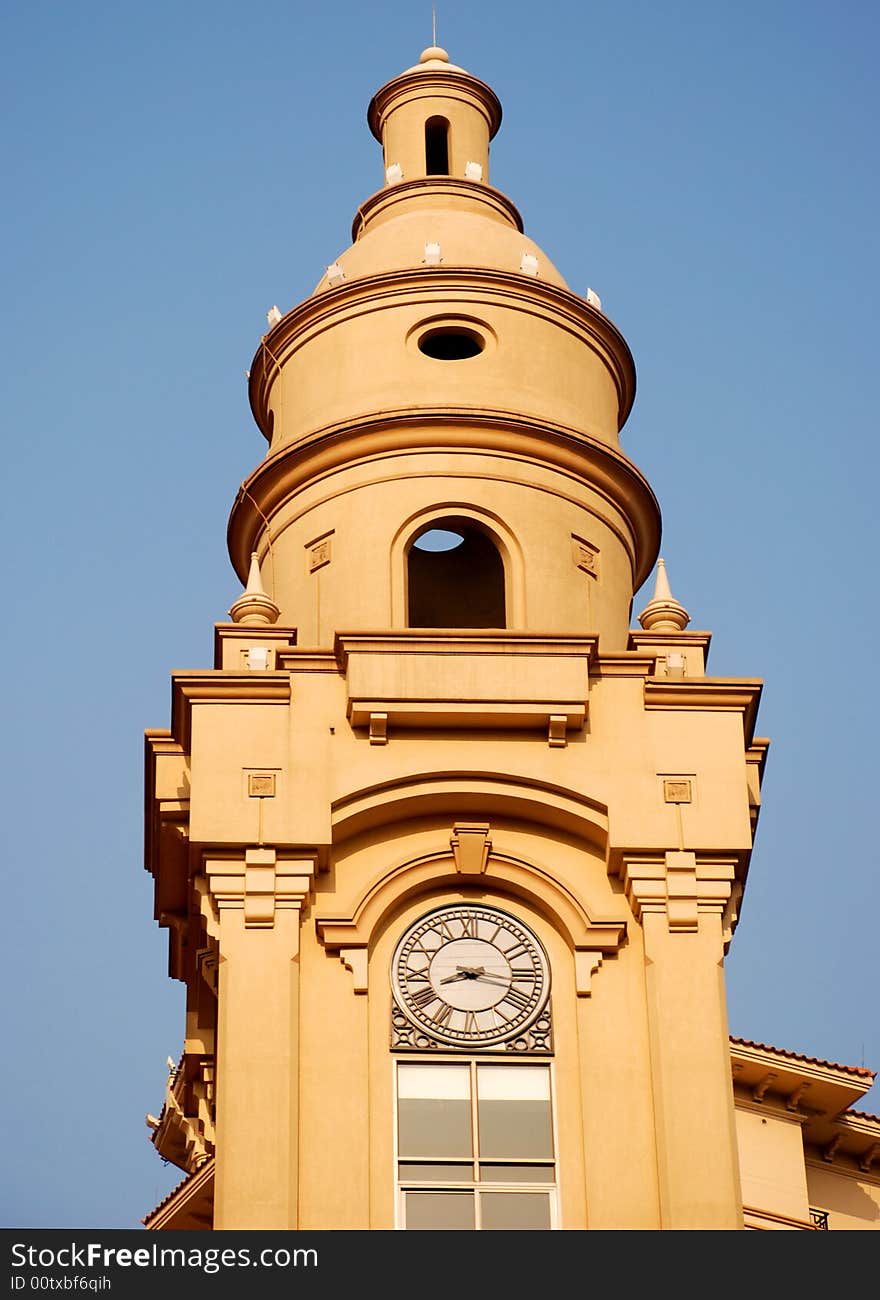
{"x": 860, "y": 1070}
{"x": 174, "y": 1190}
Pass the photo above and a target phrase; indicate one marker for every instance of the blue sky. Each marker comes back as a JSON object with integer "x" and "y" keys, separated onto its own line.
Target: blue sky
{"x": 172, "y": 170}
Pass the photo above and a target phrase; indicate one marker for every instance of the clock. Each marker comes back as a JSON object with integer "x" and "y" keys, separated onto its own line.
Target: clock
{"x": 469, "y": 975}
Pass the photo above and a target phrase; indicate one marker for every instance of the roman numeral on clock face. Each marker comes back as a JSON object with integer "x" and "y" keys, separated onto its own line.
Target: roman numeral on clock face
{"x": 517, "y": 999}
{"x": 442, "y": 1015}
{"x": 423, "y": 998}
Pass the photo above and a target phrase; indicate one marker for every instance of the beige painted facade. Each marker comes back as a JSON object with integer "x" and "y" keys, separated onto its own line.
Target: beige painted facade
{"x": 449, "y": 856}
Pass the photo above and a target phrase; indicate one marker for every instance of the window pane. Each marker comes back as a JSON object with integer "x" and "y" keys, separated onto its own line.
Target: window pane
{"x": 413, "y": 1171}
{"x": 434, "y": 1111}
{"x": 448, "y": 1081}
{"x": 434, "y": 1128}
{"x": 513, "y": 1082}
{"x": 516, "y": 1173}
{"x": 514, "y": 1112}
{"x": 439, "y": 1210}
{"x": 506, "y": 1210}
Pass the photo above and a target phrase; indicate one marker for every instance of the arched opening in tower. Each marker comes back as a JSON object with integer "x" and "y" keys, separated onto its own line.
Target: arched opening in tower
{"x": 437, "y": 146}
{"x": 455, "y": 578}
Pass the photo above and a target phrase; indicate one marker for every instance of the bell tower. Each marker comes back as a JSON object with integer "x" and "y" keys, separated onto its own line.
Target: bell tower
{"x": 448, "y": 854}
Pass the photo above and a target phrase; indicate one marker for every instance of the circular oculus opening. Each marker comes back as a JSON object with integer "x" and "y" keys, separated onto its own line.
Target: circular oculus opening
{"x": 451, "y": 343}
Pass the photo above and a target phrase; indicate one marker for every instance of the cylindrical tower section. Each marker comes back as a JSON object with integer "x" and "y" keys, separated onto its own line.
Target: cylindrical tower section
{"x": 444, "y": 382}
{"x": 435, "y": 120}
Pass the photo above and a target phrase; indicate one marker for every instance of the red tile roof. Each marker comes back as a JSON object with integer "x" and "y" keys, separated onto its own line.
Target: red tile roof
{"x": 860, "y": 1070}
{"x": 174, "y": 1190}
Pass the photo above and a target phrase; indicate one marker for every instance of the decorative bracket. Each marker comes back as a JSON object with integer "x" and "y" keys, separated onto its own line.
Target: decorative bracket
{"x": 355, "y": 960}
{"x": 793, "y": 1100}
{"x": 585, "y": 966}
{"x": 760, "y": 1089}
{"x": 556, "y": 729}
{"x": 830, "y": 1151}
{"x": 872, "y": 1154}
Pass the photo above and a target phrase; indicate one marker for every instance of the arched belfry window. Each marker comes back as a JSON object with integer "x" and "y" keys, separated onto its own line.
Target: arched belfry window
{"x": 455, "y": 577}
{"x": 437, "y": 146}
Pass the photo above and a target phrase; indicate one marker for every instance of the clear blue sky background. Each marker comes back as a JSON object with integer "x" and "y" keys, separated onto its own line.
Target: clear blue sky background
{"x": 172, "y": 170}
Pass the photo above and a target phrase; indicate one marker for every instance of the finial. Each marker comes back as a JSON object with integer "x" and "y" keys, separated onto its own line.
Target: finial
{"x": 434, "y": 53}
{"x": 663, "y": 613}
{"x": 255, "y": 608}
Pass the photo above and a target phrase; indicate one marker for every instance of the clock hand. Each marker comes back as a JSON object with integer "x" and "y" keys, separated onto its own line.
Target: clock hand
{"x": 462, "y": 975}
{"x": 465, "y": 973}
{"x": 491, "y": 979}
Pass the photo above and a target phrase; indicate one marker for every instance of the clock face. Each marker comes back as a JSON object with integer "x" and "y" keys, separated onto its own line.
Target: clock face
{"x": 470, "y": 974}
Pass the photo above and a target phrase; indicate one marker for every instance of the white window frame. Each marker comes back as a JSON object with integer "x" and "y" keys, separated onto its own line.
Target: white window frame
{"x": 472, "y": 1185}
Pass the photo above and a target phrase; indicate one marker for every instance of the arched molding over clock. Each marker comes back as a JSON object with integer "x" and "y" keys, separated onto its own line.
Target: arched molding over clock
{"x": 435, "y": 876}
{"x": 472, "y": 795}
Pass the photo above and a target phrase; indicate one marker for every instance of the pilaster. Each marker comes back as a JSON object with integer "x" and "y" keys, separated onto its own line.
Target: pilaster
{"x": 253, "y": 903}
{"x": 682, "y": 899}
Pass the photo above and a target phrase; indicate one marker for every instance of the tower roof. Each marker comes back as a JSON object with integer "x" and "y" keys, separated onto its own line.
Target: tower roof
{"x": 435, "y": 121}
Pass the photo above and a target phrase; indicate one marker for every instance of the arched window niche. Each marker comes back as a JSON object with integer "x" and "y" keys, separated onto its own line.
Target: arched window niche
{"x": 455, "y": 575}
{"x": 437, "y": 146}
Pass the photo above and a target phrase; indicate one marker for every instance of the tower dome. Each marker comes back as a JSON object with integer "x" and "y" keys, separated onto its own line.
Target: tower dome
{"x": 442, "y": 370}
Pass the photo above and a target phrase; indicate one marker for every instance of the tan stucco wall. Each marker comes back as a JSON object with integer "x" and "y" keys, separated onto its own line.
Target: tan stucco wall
{"x": 852, "y": 1201}
{"x": 771, "y": 1155}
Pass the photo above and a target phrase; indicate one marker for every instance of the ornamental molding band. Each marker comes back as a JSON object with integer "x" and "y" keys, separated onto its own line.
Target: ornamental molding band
{"x": 680, "y": 884}
{"x": 499, "y": 433}
{"x": 466, "y": 794}
{"x": 537, "y": 1040}
{"x": 588, "y": 938}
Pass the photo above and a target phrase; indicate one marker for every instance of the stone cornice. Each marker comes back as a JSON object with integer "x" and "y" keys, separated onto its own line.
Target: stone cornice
{"x": 628, "y": 663}
{"x": 708, "y": 695}
{"x": 436, "y": 191}
{"x": 417, "y": 641}
{"x": 522, "y": 680}
{"x": 391, "y": 434}
{"x": 219, "y": 687}
{"x": 448, "y": 81}
{"x": 639, "y": 640}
